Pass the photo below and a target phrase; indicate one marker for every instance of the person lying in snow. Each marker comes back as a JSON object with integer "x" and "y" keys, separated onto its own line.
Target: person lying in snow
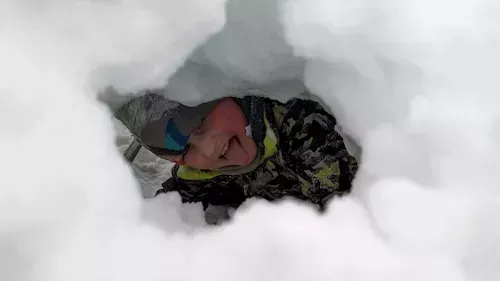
{"x": 231, "y": 149}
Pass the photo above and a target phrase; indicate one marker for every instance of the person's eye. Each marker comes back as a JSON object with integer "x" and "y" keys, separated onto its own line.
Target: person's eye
{"x": 199, "y": 128}
{"x": 186, "y": 150}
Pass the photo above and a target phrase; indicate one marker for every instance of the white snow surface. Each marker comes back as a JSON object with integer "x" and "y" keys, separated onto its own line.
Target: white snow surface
{"x": 413, "y": 82}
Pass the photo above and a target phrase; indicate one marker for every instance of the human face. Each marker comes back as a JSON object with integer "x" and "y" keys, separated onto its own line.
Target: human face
{"x": 220, "y": 140}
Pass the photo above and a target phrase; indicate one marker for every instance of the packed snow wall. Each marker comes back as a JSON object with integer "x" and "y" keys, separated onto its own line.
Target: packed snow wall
{"x": 413, "y": 83}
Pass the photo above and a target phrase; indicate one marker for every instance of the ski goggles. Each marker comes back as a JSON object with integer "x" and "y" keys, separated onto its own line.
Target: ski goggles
{"x": 170, "y": 134}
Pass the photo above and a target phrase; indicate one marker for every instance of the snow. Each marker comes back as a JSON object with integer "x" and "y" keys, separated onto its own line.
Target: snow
{"x": 249, "y": 52}
{"x": 413, "y": 83}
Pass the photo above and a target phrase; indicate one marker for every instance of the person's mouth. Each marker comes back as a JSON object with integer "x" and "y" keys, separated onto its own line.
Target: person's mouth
{"x": 224, "y": 148}
{"x": 234, "y": 152}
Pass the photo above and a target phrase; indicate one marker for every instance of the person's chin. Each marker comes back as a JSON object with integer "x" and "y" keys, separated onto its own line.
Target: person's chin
{"x": 232, "y": 164}
{"x": 249, "y": 147}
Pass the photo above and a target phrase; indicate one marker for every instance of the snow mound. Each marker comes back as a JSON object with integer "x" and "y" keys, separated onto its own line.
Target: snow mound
{"x": 414, "y": 84}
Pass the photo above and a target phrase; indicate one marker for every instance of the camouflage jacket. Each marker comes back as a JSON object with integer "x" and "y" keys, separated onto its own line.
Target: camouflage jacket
{"x": 304, "y": 158}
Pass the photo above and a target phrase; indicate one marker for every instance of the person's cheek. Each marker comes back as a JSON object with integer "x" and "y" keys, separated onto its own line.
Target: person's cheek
{"x": 187, "y": 159}
{"x": 195, "y": 161}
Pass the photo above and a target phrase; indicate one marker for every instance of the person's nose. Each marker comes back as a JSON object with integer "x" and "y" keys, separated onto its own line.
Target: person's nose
{"x": 203, "y": 144}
